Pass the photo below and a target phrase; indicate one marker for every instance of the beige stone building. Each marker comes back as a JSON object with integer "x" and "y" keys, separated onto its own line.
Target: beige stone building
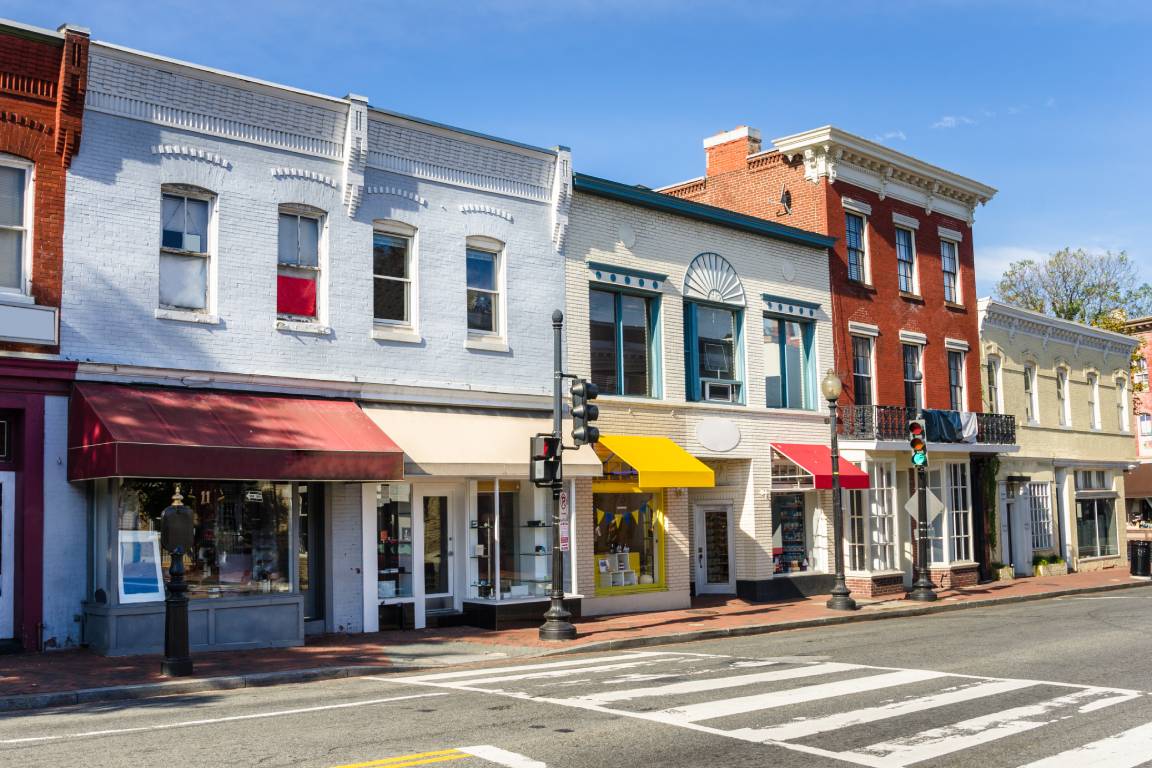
{"x": 1069, "y": 387}
{"x": 707, "y": 333}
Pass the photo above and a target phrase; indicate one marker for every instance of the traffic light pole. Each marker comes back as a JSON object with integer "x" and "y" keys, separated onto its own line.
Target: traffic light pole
{"x": 556, "y": 624}
{"x": 922, "y": 587}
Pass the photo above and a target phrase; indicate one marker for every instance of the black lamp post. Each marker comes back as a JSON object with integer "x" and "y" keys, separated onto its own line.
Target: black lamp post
{"x": 841, "y": 599}
{"x": 176, "y": 537}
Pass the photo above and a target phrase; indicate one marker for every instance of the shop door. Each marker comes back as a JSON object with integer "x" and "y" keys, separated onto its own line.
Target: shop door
{"x": 714, "y": 563}
{"x": 439, "y": 517}
{"x": 7, "y": 555}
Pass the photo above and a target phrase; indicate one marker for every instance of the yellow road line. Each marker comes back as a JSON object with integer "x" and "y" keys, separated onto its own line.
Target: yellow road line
{"x": 420, "y": 758}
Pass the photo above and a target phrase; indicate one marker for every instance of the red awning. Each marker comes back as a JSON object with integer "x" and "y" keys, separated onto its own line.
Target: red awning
{"x": 816, "y": 460}
{"x": 122, "y": 431}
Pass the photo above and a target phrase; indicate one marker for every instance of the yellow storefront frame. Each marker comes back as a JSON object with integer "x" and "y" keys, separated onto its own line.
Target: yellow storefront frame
{"x": 659, "y": 526}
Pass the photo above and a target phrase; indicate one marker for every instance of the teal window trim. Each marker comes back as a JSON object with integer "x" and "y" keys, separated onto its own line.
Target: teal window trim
{"x": 808, "y": 375}
{"x": 629, "y": 278}
{"x": 799, "y": 303}
{"x": 693, "y": 389}
{"x": 655, "y": 341}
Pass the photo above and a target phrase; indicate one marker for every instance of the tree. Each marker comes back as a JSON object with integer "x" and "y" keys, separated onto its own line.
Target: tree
{"x": 1100, "y": 289}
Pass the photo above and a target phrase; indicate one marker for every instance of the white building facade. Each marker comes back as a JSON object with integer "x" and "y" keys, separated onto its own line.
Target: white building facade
{"x": 334, "y": 323}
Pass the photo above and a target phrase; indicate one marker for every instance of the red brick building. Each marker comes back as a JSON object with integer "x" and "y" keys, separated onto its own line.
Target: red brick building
{"x": 1138, "y": 484}
{"x": 43, "y": 75}
{"x": 906, "y": 335}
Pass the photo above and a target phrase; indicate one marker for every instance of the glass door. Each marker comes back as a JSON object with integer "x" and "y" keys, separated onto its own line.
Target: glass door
{"x": 713, "y": 529}
{"x": 436, "y": 510}
{"x": 7, "y": 555}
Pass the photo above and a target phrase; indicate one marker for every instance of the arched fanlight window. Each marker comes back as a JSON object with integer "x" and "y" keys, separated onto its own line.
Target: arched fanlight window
{"x": 711, "y": 278}
{"x": 713, "y": 330}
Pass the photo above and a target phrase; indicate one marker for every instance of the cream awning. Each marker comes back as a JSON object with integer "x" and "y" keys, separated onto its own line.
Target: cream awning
{"x": 468, "y": 442}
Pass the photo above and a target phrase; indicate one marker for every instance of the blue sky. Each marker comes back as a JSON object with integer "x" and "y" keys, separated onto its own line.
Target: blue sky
{"x": 1048, "y": 101}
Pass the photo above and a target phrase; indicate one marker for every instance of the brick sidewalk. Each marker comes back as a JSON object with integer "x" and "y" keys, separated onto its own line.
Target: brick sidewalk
{"x": 63, "y": 671}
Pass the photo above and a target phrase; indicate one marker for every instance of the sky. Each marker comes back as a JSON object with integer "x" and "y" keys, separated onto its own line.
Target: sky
{"x": 1046, "y": 100}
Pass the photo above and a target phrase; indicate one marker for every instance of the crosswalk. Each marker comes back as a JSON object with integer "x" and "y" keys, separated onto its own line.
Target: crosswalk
{"x": 882, "y": 717}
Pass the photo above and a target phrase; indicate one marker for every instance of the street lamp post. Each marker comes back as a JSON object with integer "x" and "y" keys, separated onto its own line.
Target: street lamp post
{"x": 841, "y": 599}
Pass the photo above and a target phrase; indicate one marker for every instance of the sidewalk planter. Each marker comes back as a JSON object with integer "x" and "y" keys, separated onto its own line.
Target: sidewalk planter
{"x": 1052, "y": 569}
{"x": 1005, "y": 573}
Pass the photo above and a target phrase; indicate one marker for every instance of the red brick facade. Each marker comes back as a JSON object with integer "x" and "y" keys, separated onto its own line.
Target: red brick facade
{"x": 740, "y": 177}
{"x": 43, "y": 78}
{"x": 1142, "y": 395}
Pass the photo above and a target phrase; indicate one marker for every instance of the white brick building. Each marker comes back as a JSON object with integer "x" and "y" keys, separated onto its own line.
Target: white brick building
{"x": 230, "y": 235}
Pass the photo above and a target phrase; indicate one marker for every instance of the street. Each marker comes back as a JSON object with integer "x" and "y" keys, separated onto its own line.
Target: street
{"x": 1061, "y": 682}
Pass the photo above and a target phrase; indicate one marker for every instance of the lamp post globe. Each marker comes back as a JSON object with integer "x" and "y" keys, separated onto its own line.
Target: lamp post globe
{"x": 841, "y": 600}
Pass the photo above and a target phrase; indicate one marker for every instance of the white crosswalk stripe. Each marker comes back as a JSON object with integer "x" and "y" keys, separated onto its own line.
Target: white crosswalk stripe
{"x": 952, "y": 712}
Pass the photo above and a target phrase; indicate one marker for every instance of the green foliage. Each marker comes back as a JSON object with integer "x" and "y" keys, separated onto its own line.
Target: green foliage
{"x": 1100, "y": 289}
{"x": 990, "y": 471}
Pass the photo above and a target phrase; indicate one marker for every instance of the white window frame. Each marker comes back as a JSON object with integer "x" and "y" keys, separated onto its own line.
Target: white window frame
{"x": 394, "y": 228}
{"x": 191, "y": 192}
{"x": 866, "y": 266}
{"x": 1123, "y": 415}
{"x": 883, "y": 529}
{"x": 915, "y": 287}
{"x": 963, "y": 399}
{"x": 1032, "y": 412}
{"x": 1144, "y": 421}
{"x": 498, "y": 249}
{"x": 995, "y": 384}
{"x": 1092, "y": 379}
{"x": 871, "y": 340}
{"x": 947, "y": 492}
{"x": 1140, "y": 375}
{"x": 1040, "y": 513}
{"x": 1063, "y": 401}
{"x": 957, "y": 294}
{"x": 302, "y": 210}
{"x": 29, "y": 217}
{"x": 905, "y": 342}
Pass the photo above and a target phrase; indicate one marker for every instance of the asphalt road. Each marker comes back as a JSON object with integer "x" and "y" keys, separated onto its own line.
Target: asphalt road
{"x": 1063, "y": 682}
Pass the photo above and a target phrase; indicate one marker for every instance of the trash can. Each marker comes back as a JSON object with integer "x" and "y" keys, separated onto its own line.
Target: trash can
{"x": 1132, "y": 556}
{"x": 1142, "y": 563}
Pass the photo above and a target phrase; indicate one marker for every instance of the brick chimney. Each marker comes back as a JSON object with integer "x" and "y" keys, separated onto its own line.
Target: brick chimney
{"x": 728, "y": 151}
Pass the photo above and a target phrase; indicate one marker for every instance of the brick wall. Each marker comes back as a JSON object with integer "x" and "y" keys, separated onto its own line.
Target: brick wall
{"x": 42, "y": 85}
{"x": 754, "y": 186}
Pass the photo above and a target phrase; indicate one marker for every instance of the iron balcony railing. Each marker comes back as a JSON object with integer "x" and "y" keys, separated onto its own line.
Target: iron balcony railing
{"x": 890, "y": 422}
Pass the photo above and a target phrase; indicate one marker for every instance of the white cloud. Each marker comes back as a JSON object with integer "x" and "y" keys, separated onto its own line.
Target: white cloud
{"x": 1051, "y": 102}
{"x": 887, "y": 135}
{"x": 953, "y": 121}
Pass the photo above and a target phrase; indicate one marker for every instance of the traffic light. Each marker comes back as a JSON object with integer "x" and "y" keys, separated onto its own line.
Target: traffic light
{"x": 545, "y": 468}
{"x": 584, "y": 412}
{"x": 917, "y": 440}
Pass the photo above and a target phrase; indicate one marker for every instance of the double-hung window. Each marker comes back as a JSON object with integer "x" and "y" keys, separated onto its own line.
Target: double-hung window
{"x": 1031, "y": 404}
{"x": 392, "y": 269}
{"x": 15, "y": 202}
{"x": 884, "y": 518}
{"x": 1145, "y": 420}
{"x": 906, "y": 259}
{"x": 994, "y": 403}
{"x": 298, "y": 260}
{"x": 948, "y": 259}
{"x": 483, "y": 275}
{"x": 789, "y": 363}
{"x": 185, "y": 250}
{"x": 622, "y": 342}
{"x": 956, "y": 379}
{"x": 1122, "y": 404}
{"x": 1094, "y": 400}
{"x": 950, "y": 533}
{"x": 1140, "y": 376}
{"x": 913, "y": 376}
{"x": 862, "y": 370}
{"x": 1062, "y": 401}
{"x": 857, "y": 248}
{"x": 714, "y": 350}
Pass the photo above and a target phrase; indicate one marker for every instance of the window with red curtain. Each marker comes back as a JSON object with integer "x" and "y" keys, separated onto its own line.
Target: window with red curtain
{"x": 298, "y": 271}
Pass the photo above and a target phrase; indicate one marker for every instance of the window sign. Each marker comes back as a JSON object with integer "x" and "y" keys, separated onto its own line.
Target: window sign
{"x": 141, "y": 580}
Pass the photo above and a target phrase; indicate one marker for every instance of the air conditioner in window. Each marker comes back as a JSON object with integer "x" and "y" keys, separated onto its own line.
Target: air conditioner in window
{"x": 719, "y": 392}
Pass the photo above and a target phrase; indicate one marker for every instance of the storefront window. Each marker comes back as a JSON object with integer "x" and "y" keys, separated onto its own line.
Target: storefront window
{"x": 241, "y": 538}
{"x": 394, "y": 540}
{"x": 1095, "y": 527}
{"x": 628, "y": 542}
{"x": 510, "y": 547}
{"x": 789, "y": 534}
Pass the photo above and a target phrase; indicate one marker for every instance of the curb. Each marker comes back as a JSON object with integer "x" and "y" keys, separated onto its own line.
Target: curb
{"x": 625, "y": 643}
{"x": 30, "y": 701}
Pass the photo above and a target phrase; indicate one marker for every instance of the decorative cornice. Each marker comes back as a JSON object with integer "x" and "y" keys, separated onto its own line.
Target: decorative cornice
{"x": 1013, "y": 320}
{"x": 187, "y": 120}
{"x": 625, "y": 277}
{"x": 7, "y": 116}
{"x": 447, "y": 175}
{"x": 396, "y": 192}
{"x": 561, "y": 198}
{"x": 192, "y": 153}
{"x": 301, "y": 173}
{"x": 488, "y": 209}
{"x": 831, "y": 153}
{"x": 28, "y": 87}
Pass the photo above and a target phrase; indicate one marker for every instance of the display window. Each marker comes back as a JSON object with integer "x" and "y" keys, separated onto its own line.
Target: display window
{"x": 790, "y": 535}
{"x": 242, "y": 531}
{"x": 511, "y": 542}
{"x": 394, "y": 570}
{"x": 628, "y": 540}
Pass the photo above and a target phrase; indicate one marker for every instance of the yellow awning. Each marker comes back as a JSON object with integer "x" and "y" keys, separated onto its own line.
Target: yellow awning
{"x": 659, "y": 462}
